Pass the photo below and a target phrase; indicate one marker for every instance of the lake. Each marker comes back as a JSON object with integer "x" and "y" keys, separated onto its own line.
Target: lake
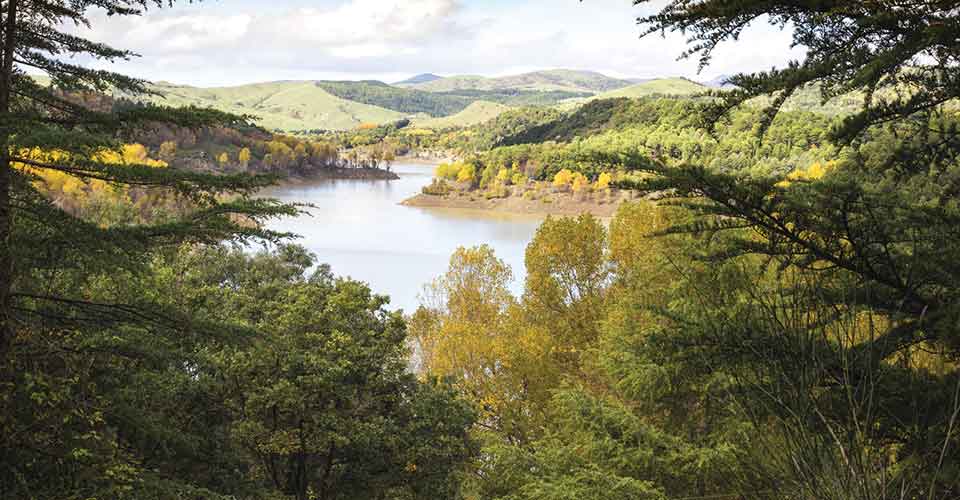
{"x": 362, "y": 231}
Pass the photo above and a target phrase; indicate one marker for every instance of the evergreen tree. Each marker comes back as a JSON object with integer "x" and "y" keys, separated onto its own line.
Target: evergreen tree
{"x": 77, "y": 357}
{"x": 865, "y": 301}
{"x": 71, "y": 137}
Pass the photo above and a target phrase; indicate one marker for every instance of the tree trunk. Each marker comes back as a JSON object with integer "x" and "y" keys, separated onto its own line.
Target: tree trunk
{"x": 6, "y": 260}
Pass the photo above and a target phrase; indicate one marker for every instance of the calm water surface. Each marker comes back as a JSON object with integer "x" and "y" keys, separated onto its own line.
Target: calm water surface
{"x": 361, "y": 230}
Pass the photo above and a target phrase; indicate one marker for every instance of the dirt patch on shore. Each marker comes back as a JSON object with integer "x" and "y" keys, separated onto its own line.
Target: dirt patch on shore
{"x": 600, "y": 204}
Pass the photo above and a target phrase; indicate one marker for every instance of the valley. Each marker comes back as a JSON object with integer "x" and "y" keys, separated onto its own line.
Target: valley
{"x": 438, "y": 103}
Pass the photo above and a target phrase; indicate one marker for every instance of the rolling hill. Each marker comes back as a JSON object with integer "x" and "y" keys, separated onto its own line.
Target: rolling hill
{"x": 286, "y": 105}
{"x": 439, "y": 103}
{"x": 476, "y": 113}
{"x": 559, "y": 79}
{"x": 659, "y": 86}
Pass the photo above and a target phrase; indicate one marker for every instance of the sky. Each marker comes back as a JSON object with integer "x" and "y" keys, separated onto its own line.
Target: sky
{"x": 222, "y": 42}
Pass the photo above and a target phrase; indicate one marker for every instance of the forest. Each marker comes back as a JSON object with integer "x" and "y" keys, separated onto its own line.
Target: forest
{"x": 440, "y": 103}
{"x": 773, "y": 316}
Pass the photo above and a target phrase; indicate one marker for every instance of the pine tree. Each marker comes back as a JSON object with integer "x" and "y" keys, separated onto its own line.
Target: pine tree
{"x": 37, "y": 116}
{"x": 902, "y": 56}
{"x": 74, "y": 356}
{"x": 858, "y": 332}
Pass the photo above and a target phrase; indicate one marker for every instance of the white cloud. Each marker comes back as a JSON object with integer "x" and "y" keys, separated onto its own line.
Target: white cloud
{"x": 362, "y": 22}
{"x": 216, "y": 43}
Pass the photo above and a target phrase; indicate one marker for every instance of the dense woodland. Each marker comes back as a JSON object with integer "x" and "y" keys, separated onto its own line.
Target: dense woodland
{"x": 774, "y": 317}
{"x": 440, "y": 103}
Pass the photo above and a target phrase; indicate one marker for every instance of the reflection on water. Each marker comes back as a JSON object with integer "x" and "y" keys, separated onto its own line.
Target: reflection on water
{"x": 361, "y": 230}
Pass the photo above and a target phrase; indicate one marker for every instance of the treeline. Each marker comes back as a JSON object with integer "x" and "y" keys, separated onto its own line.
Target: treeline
{"x": 608, "y": 136}
{"x": 438, "y": 104}
{"x": 147, "y": 349}
{"x": 780, "y": 323}
{"x": 225, "y": 149}
{"x": 734, "y": 344}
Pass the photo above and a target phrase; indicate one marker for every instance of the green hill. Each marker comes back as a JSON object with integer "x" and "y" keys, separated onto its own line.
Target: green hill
{"x": 404, "y": 100}
{"x": 660, "y": 86}
{"x": 476, "y": 113}
{"x": 559, "y": 79}
{"x": 286, "y": 105}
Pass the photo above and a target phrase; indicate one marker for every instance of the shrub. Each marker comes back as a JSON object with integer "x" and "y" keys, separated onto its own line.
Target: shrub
{"x": 563, "y": 178}
{"x": 468, "y": 173}
{"x": 438, "y": 187}
{"x": 603, "y": 181}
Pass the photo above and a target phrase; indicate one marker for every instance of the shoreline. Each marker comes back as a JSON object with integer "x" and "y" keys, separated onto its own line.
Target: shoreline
{"x": 369, "y": 174}
{"x": 600, "y": 204}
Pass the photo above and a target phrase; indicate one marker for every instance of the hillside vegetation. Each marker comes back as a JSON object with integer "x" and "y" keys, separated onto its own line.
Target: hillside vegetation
{"x": 659, "y": 86}
{"x": 476, "y": 113}
{"x": 438, "y": 104}
{"x": 280, "y": 105}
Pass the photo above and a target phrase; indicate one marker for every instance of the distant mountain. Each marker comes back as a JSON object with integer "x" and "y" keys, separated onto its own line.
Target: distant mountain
{"x": 558, "y": 79}
{"x": 720, "y": 82}
{"x": 421, "y": 78}
{"x": 659, "y": 86}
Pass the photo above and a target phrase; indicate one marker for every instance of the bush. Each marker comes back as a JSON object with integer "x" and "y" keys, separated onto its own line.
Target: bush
{"x": 438, "y": 187}
{"x": 497, "y": 191}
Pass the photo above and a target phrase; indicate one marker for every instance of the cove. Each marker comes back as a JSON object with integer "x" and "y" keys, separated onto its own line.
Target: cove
{"x": 360, "y": 229}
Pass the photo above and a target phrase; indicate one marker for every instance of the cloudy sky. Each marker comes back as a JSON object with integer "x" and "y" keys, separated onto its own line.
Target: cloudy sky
{"x": 222, "y": 42}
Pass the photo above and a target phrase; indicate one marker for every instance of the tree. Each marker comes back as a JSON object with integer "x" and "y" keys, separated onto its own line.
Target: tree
{"x": 469, "y": 329}
{"x": 866, "y": 258}
{"x": 566, "y": 276}
{"x": 603, "y": 181}
{"x": 168, "y": 151}
{"x": 59, "y": 433}
{"x": 851, "y": 46}
{"x": 321, "y": 402}
{"x": 244, "y": 157}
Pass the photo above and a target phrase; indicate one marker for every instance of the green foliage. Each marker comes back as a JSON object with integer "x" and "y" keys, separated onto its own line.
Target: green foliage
{"x": 440, "y": 104}
{"x": 395, "y": 98}
{"x": 133, "y": 345}
{"x": 437, "y": 187}
{"x": 284, "y": 106}
{"x": 659, "y": 86}
{"x": 841, "y": 60}
{"x": 322, "y": 401}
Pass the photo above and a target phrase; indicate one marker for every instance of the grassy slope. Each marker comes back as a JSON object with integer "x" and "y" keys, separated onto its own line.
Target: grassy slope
{"x": 281, "y": 105}
{"x": 478, "y": 112}
{"x": 660, "y": 86}
{"x": 569, "y": 80}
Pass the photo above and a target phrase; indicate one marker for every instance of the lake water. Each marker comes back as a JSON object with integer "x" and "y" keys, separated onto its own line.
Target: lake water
{"x": 362, "y": 231}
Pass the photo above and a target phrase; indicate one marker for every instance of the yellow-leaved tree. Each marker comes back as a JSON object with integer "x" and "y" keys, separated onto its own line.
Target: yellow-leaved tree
{"x": 603, "y": 181}
{"x": 567, "y": 274}
{"x": 563, "y": 178}
{"x": 470, "y": 328}
{"x": 579, "y": 183}
{"x": 244, "y": 157}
